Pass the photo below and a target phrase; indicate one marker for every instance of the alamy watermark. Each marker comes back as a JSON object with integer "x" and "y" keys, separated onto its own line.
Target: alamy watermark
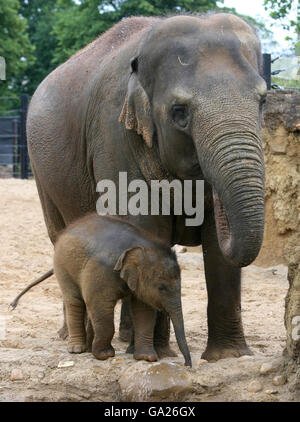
{"x": 2, "y": 69}
{"x": 160, "y": 198}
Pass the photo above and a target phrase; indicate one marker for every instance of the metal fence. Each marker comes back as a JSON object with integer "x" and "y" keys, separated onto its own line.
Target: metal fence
{"x": 14, "y": 160}
{"x": 282, "y": 72}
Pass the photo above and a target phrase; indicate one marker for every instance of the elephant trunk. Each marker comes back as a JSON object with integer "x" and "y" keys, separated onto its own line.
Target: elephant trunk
{"x": 235, "y": 170}
{"x": 175, "y": 313}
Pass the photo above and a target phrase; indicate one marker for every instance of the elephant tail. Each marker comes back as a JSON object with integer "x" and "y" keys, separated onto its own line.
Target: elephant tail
{"x": 48, "y": 274}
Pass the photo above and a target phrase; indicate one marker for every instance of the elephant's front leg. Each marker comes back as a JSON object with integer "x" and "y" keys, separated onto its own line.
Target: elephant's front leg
{"x": 225, "y": 329}
{"x": 101, "y": 331}
{"x": 162, "y": 336}
{"x": 143, "y": 317}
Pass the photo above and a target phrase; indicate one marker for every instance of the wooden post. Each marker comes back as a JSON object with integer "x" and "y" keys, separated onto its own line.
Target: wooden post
{"x": 267, "y": 69}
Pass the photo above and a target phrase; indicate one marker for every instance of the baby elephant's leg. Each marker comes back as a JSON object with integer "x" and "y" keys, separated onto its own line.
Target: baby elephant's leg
{"x": 89, "y": 333}
{"x": 143, "y": 321}
{"x": 100, "y": 296}
{"x": 101, "y": 314}
{"x": 74, "y": 309}
{"x": 75, "y": 312}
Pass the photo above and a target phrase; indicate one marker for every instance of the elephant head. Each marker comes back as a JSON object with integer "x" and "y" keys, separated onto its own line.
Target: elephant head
{"x": 196, "y": 93}
{"x": 154, "y": 277}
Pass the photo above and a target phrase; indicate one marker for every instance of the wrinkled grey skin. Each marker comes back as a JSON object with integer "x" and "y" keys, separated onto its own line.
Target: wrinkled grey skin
{"x": 99, "y": 260}
{"x": 179, "y": 97}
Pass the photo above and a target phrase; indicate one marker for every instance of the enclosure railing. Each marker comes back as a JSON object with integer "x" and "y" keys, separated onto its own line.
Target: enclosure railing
{"x": 282, "y": 72}
{"x": 14, "y": 160}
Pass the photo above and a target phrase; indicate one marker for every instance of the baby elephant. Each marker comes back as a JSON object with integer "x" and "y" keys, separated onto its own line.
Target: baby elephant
{"x": 101, "y": 259}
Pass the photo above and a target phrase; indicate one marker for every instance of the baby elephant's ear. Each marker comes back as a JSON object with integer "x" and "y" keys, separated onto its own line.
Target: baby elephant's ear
{"x": 128, "y": 264}
{"x": 136, "y": 113}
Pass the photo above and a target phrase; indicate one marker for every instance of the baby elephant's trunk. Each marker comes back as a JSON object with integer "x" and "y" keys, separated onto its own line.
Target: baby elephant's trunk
{"x": 178, "y": 324}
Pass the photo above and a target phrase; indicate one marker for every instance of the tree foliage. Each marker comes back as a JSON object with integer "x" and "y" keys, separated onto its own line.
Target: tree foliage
{"x": 78, "y": 23}
{"x": 279, "y": 9}
{"x": 15, "y": 46}
{"x": 37, "y": 35}
{"x": 40, "y": 16}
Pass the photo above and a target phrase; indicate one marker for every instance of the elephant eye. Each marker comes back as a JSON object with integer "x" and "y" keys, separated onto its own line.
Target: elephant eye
{"x": 180, "y": 115}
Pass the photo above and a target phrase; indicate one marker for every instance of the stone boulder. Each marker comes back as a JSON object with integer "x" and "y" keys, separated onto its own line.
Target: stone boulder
{"x": 161, "y": 381}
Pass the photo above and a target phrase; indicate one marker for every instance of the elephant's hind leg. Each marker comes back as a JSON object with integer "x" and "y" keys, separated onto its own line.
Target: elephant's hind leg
{"x": 75, "y": 313}
{"x": 53, "y": 218}
{"x": 63, "y": 331}
{"x": 54, "y": 223}
{"x": 89, "y": 334}
{"x": 125, "y": 327}
{"x": 74, "y": 307}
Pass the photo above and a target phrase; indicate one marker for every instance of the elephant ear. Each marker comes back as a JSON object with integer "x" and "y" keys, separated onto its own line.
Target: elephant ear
{"x": 128, "y": 264}
{"x": 136, "y": 112}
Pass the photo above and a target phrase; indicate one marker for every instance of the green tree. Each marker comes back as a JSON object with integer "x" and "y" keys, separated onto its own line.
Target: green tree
{"x": 78, "y": 23}
{"x": 15, "y": 47}
{"x": 279, "y": 9}
{"x": 40, "y": 15}
{"x": 158, "y": 7}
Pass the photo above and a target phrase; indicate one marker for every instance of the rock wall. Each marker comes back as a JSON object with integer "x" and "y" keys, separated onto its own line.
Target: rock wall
{"x": 281, "y": 140}
{"x": 281, "y": 136}
{"x": 292, "y": 306}
{"x": 292, "y": 319}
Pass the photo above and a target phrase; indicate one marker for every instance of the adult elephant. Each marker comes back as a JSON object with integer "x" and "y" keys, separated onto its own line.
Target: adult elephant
{"x": 163, "y": 98}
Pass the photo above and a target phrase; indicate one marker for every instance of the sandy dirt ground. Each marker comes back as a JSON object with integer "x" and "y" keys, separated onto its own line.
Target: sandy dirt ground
{"x": 31, "y": 350}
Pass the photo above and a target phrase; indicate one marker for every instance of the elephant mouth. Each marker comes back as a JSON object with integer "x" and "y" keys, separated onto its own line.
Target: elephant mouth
{"x": 222, "y": 224}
